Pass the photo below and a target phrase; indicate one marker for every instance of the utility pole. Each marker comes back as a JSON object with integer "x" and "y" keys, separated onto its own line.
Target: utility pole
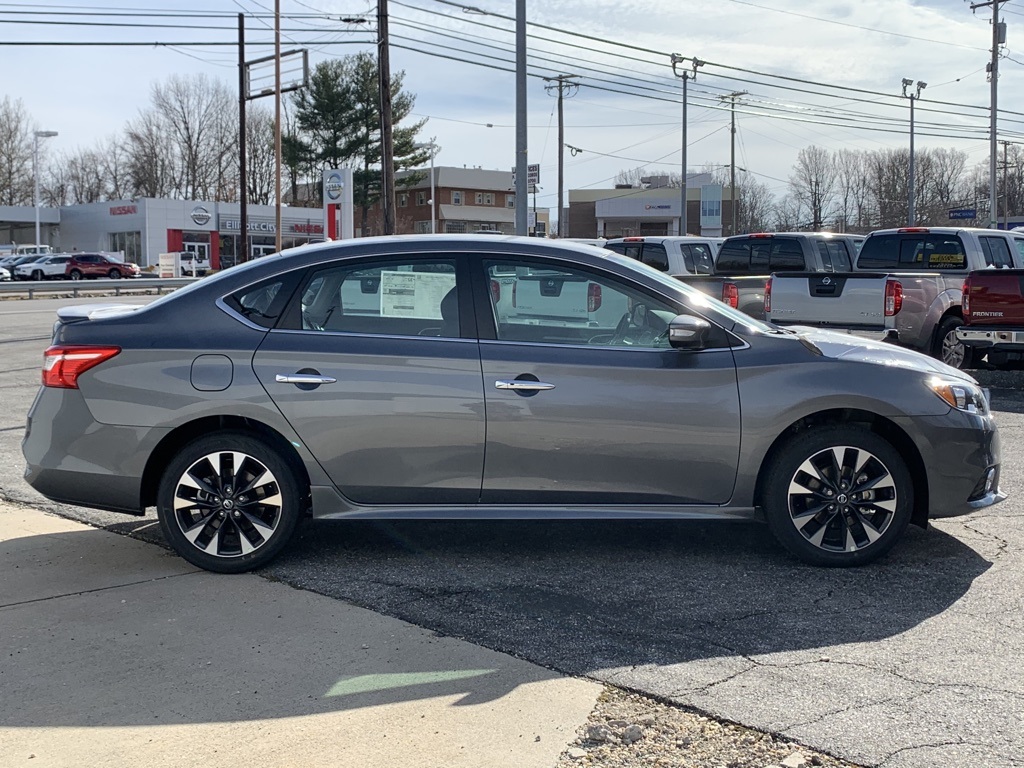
{"x": 907, "y": 82}
{"x": 732, "y": 155}
{"x": 277, "y": 127}
{"x": 998, "y": 38}
{"x": 686, "y": 76}
{"x": 565, "y": 83}
{"x": 242, "y": 252}
{"x": 387, "y": 155}
{"x": 521, "y": 127}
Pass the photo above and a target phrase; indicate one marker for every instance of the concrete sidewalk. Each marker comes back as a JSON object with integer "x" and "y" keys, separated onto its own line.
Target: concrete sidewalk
{"x": 116, "y": 652}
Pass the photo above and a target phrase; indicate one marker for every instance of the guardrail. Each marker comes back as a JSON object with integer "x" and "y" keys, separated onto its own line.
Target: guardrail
{"x": 105, "y": 286}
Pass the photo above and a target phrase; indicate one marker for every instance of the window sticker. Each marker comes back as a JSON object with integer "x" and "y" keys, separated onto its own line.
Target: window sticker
{"x": 414, "y": 294}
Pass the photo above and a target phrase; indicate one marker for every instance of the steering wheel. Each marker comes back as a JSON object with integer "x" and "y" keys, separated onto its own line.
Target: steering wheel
{"x": 621, "y": 330}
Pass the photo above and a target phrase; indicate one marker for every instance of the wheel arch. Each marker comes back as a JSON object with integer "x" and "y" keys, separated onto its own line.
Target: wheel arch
{"x": 881, "y": 426}
{"x": 186, "y": 433}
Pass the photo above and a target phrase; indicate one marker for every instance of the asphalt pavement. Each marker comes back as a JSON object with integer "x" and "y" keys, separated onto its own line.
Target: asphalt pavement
{"x": 911, "y": 662}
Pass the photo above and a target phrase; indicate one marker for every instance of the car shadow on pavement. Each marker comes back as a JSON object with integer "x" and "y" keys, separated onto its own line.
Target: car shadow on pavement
{"x": 585, "y": 596}
{"x": 97, "y": 630}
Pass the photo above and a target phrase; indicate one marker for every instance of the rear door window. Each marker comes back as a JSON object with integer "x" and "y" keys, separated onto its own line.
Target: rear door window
{"x": 996, "y": 251}
{"x": 699, "y": 260}
{"x": 654, "y": 255}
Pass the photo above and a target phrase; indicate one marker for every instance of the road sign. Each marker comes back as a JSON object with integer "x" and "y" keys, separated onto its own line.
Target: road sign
{"x": 963, "y": 213}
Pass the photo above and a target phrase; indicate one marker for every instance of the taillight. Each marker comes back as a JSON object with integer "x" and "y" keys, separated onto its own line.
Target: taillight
{"x": 593, "y": 297}
{"x": 893, "y": 297}
{"x": 768, "y": 297}
{"x": 495, "y": 291}
{"x": 914, "y": 230}
{"x": 966, "y": 298}
{"x": 731, "y": 294}
{"x": 62, "y": 365}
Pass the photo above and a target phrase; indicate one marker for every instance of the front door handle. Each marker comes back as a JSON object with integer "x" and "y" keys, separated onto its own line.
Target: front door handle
{"x": 303, "y": 378}
{"x": 520, "y": 384}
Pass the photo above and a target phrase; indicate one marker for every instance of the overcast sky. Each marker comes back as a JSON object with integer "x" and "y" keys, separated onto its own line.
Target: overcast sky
{"x": 626, "y": 113}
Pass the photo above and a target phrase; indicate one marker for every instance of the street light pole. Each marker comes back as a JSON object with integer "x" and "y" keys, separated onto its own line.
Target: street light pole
{"x": 907, "y": 82}
{"x": 686, "y": 76}
{"x": 35, "y": 172}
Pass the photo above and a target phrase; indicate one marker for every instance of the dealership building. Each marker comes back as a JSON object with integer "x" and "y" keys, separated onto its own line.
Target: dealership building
{"x": 144, "y": 228}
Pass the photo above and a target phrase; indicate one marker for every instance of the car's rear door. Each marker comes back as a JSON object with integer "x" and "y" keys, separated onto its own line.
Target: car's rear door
{"x": 372, "y": 369}
{"x": 605, "y": 411}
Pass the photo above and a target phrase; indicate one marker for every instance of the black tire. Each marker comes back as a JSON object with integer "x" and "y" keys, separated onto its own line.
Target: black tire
{"x": 947, "y": 348}
{"x": 37, "y": 275}
{"x": 830, "y": 524}
{"x": 228, "y": 530}
{"x": 75, "y": 274}
{"x": 114, "y": 274}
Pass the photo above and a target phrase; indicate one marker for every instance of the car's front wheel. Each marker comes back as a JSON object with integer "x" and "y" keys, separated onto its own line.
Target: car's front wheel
{"x": 37, "y": 274}
{"x": 229, "y": 502}
{"x": 838, "y": 496}
{"x": 114, "y": 274}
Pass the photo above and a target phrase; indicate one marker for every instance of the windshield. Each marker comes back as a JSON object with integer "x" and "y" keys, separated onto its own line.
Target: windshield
{"x": 695, "y": 298}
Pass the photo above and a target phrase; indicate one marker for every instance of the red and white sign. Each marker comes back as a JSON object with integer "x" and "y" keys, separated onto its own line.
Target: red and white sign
{"x": 123, "y": 210}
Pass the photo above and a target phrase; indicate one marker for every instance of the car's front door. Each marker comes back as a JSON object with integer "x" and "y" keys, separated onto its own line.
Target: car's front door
{"x": 370, "y": 368}
{"x": 586, "y": 401}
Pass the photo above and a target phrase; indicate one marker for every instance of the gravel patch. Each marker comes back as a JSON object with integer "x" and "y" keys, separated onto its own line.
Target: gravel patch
{"x": 627, "y": 730}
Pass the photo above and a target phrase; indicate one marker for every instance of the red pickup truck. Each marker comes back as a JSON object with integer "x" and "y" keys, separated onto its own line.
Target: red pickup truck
{"x": 993, "y": 310}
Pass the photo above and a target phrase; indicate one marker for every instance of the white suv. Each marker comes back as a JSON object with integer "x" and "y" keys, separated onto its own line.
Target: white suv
{"x": 43, "y": 268}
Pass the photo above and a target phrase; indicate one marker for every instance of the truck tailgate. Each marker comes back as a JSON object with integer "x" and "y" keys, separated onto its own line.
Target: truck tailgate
{"x": 851, "y": 301}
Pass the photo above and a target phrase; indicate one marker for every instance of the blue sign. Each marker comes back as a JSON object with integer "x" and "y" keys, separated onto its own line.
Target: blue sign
{"x": 963, "y": 213}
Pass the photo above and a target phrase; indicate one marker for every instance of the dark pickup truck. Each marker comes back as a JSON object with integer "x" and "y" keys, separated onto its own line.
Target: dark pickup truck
{"x": 993, "y": 309}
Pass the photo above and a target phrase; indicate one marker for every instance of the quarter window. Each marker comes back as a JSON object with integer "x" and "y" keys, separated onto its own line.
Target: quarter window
{"x": 387, "y": 298}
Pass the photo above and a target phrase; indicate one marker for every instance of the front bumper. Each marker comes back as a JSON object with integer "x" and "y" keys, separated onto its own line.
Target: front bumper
{"x": 959, "y": 451}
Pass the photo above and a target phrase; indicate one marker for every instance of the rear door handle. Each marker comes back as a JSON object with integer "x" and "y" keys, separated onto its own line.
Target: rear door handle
{"x": 520, "y": 384}
{"x": 303, "y": 378}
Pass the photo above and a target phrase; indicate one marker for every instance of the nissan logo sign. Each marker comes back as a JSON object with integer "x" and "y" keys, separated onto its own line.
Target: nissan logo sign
{"x": 827, "y": 281}
{"x": 334, "y": 186}
{"x": 200, "y": 215}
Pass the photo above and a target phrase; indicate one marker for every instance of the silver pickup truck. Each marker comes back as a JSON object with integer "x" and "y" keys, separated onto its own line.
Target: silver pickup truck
{"x": 906, "y": 286}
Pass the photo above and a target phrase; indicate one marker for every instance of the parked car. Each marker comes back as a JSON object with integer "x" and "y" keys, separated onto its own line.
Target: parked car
{"x": 43, "y": 268}
{"x": 99, "y": 265}
{"x": 993, "y": 311}
{"x": 193, "y": 264}
{"x": 4, "y": 274}
{"x": 692, "y": 260}
{"x": 389, "y": 378}
{"x": 915, "y": 293}
{"x": 12, "y": 264}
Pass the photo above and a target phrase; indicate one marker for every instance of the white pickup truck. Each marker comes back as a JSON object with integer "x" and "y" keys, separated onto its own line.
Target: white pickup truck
{"x": 906, "y": 286}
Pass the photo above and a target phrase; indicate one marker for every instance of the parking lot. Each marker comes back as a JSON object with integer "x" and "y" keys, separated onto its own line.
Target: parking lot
{"x": 913, "y": 661}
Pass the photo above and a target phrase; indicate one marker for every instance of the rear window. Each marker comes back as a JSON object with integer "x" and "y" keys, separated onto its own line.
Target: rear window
{"x": 760, "y": 256}
{"x": 912, "y": 250}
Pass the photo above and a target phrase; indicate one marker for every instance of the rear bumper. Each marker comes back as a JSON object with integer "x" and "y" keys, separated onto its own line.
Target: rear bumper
{"x": 73, "y": 459}
{"x": 987, "y": 337}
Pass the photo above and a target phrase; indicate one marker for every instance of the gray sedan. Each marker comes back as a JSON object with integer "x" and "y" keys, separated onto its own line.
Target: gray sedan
{"x": 492, "y": 377}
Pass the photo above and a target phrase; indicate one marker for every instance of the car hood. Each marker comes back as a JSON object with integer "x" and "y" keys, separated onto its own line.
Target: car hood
{"x": 843, "y": 346}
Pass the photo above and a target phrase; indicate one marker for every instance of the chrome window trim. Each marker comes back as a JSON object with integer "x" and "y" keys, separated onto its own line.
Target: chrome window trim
{"x": 370, "y": 335}
{"x": 231, "y": 312}
{"x": 604, "y": 347}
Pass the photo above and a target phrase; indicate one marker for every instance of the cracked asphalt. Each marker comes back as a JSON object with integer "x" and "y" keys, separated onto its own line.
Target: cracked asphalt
{"x": 915, "y": 661}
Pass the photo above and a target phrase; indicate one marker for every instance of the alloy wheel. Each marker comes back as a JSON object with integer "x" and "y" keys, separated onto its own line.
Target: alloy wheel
{"x": 842, "y": 499}
{"x": 228, "y": 504}
{"x": 952, "y": 350}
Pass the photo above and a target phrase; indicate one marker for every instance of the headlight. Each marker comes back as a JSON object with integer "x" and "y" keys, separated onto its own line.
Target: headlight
{"x": 960, "y": 395}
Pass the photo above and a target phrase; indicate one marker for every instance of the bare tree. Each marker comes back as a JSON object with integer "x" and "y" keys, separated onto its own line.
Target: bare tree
{"x": 789, "y": 214}
{"x": 16, "y": 128}
{"x": 260, "y": 159}
{"x": 851, "y": 190}
{"x": 115, "y": 161}
{"x": 886, "y": 172}
{"x": 813, "y": 182}
{"x": 150, "y": 157}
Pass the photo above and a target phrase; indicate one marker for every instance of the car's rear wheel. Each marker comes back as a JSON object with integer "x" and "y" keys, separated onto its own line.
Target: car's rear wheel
{"x": 75, "y": 274}
{"x": 229, "y": 502}
{"x": 838, "y": 496}
{"x": 114, "y": 274}
{"x": 948, "y": 348}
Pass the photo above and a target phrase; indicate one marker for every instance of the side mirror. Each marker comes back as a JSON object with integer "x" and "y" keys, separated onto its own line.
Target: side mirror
{"x": 688, "y": 332}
